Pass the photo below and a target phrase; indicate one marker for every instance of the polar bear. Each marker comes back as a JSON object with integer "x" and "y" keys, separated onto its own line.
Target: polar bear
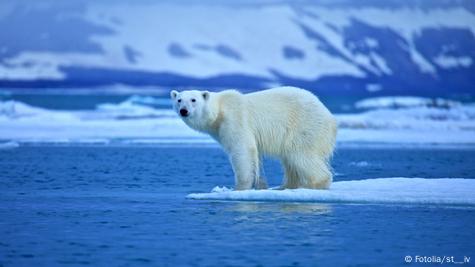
{"x": 288, "y": 123}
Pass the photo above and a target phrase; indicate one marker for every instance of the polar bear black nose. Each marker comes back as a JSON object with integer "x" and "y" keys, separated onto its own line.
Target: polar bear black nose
{"x": 183, "y": 112}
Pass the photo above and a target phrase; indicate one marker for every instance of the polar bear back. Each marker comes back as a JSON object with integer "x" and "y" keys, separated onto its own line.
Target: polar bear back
{"x": 289, "y": 119}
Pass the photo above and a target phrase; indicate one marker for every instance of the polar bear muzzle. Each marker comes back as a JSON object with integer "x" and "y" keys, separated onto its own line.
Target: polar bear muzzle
{"x": 183, "y": 112}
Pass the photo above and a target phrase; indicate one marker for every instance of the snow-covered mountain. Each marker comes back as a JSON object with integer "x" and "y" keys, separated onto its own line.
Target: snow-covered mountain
{"x": 377, "y": 47}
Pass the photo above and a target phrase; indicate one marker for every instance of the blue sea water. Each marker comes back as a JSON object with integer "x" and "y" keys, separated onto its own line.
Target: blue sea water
{"x": 126, "y": 206}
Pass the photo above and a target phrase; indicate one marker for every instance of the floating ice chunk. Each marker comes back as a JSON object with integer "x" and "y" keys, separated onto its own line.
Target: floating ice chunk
{"x": 411, "y": 114}
{"x": 149, "y": 100}
{"x": 359, "y": 163}
{"x": 447, "y": 191}
{"x": 9, "y": 145}
{"x": 220, "y": 189}
{"x": 14, "y": 110}
{"x": 404, "y": 102}
{"x": 134, "y": 107}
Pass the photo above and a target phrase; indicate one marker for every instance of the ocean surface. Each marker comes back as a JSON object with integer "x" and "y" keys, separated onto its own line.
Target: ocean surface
{"x": 126, "y": 205}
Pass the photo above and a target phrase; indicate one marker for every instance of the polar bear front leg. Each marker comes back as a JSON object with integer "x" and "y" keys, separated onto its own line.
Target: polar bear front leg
{"x": 245, "y": 163}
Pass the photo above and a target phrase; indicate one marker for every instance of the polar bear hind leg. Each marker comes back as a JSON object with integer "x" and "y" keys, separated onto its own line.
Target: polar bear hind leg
{"x": 291, "y": 179}
{"x": 306, "y": 171}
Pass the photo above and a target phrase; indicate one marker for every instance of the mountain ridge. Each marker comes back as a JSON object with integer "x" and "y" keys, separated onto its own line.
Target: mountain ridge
{"x": 338, "y": 47}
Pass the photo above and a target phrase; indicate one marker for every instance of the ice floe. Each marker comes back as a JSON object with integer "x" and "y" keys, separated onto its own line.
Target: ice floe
{"x": 443, "y": 191}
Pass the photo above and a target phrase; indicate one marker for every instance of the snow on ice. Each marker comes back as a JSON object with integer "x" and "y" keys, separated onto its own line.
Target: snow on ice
{"x": 446, "y": 191}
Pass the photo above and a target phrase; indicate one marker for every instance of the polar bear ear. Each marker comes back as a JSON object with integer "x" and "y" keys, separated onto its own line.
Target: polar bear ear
{"x": 173, "y": 94}
{"x": 205, "y": 95}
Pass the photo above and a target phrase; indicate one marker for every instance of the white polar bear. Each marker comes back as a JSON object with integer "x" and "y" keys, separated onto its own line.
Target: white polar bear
{"x": 286, "y": 122}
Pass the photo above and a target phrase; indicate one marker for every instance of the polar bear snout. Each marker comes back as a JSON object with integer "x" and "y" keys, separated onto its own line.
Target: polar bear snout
{"x": 184, "y": 112}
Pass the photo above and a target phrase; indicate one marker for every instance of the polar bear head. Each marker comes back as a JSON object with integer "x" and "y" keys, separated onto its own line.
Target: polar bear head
{"x": 190, "y": 105}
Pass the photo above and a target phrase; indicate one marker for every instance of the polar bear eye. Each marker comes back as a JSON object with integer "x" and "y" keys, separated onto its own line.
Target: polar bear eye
{"x": 179, "y": 100}
{"x": 193, "y": 100}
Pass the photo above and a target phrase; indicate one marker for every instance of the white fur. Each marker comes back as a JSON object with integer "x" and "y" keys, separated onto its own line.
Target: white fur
{"x": 286, "y": 122}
